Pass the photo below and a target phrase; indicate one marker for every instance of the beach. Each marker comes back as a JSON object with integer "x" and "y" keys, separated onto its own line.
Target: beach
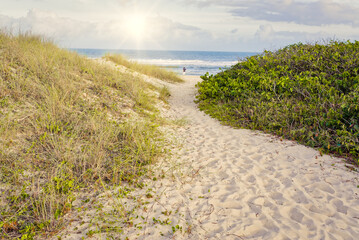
{"x": 179, "y": 120}
{"x": 225, "y": 183}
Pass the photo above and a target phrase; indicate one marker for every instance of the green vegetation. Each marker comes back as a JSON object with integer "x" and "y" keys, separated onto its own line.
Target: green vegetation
{"x": 304, "y": 92}
{"x": 67, "y": 125}
{"x": 150, "y": 70}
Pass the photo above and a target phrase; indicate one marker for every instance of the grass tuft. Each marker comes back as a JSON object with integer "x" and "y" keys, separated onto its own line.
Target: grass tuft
{"x": 164, "y": 94}
{"x": 150, "y": 70}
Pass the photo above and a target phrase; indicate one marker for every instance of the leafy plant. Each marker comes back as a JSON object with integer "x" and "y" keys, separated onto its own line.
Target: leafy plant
{"x": 304, "y": 92}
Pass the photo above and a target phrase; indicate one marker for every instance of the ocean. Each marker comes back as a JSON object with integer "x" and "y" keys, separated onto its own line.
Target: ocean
{"x": 195, "y": 62}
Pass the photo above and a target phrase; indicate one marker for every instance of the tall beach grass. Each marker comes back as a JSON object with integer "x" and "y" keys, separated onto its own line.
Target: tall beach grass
{"x": 67, "y": 124}
{"x": 150, "y": 70}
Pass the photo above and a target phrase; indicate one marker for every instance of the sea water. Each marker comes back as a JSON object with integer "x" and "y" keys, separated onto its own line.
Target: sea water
{"x": 195, "y": 62}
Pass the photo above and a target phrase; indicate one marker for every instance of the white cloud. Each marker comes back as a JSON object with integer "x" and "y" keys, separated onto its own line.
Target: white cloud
{"x": 265, "y": 32}
{"x": 267, "y": 37}
{"x": 323, "y": 12}
{"x": 160, "y": 32}
{"x": 230, "y": 25}
{"x": 49, "y": 24}
{"x": 319, "y": 12}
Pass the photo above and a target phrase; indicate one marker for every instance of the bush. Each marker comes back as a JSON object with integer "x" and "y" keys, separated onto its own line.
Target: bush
{"x": 304, "y": 92}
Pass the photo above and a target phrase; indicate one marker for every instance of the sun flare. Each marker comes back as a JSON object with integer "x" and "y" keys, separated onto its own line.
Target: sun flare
{"x": 136, "y": 25}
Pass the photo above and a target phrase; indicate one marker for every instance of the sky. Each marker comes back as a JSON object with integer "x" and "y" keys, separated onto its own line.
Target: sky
{"x": 202, "y": 25}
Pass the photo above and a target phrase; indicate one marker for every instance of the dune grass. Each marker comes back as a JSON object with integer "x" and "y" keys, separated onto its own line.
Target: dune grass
{"x": 150, "y": 70}
{"x": 67, "y": 124}
{"x": 305, "y": 92}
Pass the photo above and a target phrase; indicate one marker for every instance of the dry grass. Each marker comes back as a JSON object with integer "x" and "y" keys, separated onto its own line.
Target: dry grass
{"x": 150, "y": 70}
{"x": 66, "y": 125}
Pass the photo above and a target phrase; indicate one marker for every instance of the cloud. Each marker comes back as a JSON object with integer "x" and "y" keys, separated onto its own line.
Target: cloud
{"x": 265, "y": 32}
{"x": 314, "y": 13}
{"x": 48, "y": 24}
{"x": 166, "y": 28}
{"x": 233, "y": 31}
{"x": 160, "y": 32}
{"x": 268, "y": 38}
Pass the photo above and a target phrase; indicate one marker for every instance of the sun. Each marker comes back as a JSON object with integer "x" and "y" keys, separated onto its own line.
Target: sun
{"x": 136, "y": 25}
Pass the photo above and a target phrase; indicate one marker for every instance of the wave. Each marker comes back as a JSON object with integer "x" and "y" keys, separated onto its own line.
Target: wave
{"x": 179, "y": 62}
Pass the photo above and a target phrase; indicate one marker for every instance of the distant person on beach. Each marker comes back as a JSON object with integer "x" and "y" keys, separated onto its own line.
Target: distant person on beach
{"x": 184, "y": 70}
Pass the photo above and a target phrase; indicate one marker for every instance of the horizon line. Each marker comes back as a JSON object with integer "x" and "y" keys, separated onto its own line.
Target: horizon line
{"x": 118, "y": 49}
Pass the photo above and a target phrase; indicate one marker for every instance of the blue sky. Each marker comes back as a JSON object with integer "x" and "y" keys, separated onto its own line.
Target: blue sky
{"x": 213, "y": 25}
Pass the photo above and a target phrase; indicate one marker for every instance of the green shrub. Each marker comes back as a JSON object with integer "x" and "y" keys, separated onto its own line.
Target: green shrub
{"x": 305, "y": 92}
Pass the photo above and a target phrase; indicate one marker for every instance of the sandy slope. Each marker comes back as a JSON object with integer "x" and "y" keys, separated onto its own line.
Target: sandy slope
{"x": 240, "y": 184}
{"x": 225, "y": 183}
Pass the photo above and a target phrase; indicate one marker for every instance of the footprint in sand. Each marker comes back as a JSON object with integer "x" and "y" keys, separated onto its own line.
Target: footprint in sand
{"x": 259, "y": 187}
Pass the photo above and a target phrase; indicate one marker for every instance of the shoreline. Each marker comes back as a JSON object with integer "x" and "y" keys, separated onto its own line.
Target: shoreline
{"x": 197, "y": 62}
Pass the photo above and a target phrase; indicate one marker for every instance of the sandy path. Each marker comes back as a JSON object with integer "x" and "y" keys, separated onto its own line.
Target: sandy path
{"x": 225, "y": 183}
{"x": 240, "y": 184}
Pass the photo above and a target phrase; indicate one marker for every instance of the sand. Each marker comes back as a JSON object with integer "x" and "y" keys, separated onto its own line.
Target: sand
{"x": 240, "y": 184}
{"x": 225, "y": 183}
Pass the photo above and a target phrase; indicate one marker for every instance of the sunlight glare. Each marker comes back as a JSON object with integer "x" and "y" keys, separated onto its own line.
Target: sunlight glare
{"x": 136, "y": 25}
